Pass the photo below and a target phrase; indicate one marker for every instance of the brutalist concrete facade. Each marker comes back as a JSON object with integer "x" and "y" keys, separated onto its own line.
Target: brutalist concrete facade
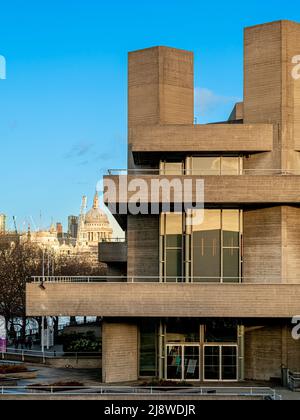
{"x": 215, "y": 303}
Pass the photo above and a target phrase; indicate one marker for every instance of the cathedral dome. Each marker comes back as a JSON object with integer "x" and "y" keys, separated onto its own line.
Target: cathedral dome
{"x": 95, "y": 215}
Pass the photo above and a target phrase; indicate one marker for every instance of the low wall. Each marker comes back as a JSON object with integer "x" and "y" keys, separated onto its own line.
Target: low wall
{"x": 82, "y": 363}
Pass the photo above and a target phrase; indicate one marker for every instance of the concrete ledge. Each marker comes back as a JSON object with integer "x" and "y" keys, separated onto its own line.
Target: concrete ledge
{"x": 164, "y": 300}
{"x": 202, "y": 138}
{"x": 244, "y": 189}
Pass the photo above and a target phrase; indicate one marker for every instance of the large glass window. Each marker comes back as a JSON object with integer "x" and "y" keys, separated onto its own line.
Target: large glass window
{"x": 206, "y": 166}
{"x": 148, "y": 350}
{"x": 216, "y": 247}
{"x": 172, "y": 243}
{"x": 220, "y": 363}
{"x": 209, "y": 251}
{"x": 217, "y": 165}
{"x": 206, "y": 247}
{"x": 231, "y": 259}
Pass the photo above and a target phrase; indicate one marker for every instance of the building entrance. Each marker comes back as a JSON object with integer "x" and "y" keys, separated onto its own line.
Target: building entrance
{"x": 183, "y": 362}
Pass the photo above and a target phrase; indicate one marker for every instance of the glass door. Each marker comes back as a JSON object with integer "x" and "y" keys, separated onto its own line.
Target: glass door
{"x": 174, "y": 362}
{"x": 191, "y": 363}
{"x": 220, "y": 363}
{"x": 183, "y": 362}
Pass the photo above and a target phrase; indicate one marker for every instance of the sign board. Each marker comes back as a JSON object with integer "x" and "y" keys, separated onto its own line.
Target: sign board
{"x": 3, "y": 336}
{"x": 192, "y": 367}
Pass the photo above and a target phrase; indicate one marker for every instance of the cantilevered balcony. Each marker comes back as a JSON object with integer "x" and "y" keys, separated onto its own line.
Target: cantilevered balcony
{"x": 239, "y": 138}
{"x": 266, "y": 187}
{"x": 145, "y": 297}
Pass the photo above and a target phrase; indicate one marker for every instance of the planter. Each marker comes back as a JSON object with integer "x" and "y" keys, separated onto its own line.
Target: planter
{"x": 20, "y": 375}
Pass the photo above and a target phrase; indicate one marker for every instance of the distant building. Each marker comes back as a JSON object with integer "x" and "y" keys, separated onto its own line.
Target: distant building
{"x": 59, "y": 230}
{"x": 2, "y": 223}
{"x": 51, "y": 240}
{"x": 94, "y": 227}
{"x": 73, "y": 226}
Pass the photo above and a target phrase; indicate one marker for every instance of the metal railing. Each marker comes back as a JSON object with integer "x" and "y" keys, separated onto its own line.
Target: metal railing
{"x": 206, "y": 172}
{"x": 112, "y": 241}
{"x": 153, "y": 279}
{"x": 176, "y": 391}
{"x": 23, "y": 354}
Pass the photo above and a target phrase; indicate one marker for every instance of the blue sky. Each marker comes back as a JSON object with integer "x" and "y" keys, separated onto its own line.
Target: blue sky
{"x": 63, "y": 106}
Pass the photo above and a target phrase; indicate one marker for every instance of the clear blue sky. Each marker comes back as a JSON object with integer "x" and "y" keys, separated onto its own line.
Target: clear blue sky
{"x": 63, "y": 105}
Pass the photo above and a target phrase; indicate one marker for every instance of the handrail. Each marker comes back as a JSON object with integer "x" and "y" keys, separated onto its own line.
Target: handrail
{"x": 258, "y": 392}
{"x": 206, "y": 172}
{"x": 155, "y": 280}
{"x": 112, "y": 241}
{"x": 54, "y": 354}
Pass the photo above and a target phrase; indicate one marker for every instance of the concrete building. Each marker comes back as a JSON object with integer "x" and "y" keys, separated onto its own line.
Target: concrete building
{"x": 214, "y": 300}
{"x": 93, "y": 228}
{"x": 73, "y": 226}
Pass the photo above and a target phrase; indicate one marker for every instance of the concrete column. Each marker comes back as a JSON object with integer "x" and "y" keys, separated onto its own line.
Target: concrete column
{"x": 119, "y": 352}
{"x": 241, "y": 350}
{"x": 160, "y": 86}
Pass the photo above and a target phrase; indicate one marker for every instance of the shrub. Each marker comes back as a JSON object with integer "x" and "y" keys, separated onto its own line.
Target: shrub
{"x": 4, "y": 370}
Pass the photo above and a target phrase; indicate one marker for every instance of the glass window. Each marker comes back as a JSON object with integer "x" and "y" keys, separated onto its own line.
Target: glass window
{"x": 220, "y": 332}
{"x": 229, "y": 363}
{"x": 148, "y": 346}
{"x": 173, "y": 263}
{"x": 209, "y": 251}
{"x": 231, "y": 228}
{"x": 218, "y": 165}
{"x": 207, "y": 248}
{"x": 230, "y": 166}
{"x": 206, "y": 166}
{"x": 231, "y": 265}
{"x": 174, "y": 362}
{"x": 191, "y": 363}
{"x": 220, "y": 363}
{"x": 172, "y": 230}
{"x": 171, "y": 168}
{"x": 231, "y": 246}
{"x": 173, "y": 224}
{"x": 183, "y": 331}
{"x": 212, "y": 363}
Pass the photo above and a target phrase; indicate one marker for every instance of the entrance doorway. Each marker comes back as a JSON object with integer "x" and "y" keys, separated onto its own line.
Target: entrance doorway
{"x": 183, "y": 362}
{"x": 220, "y": 363}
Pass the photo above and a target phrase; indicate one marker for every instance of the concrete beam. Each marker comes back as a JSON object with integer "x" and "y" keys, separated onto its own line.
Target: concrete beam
{"x": 232, "y": 190}
{"x": 220, "y": 138}
{"x": 164, "y": 300}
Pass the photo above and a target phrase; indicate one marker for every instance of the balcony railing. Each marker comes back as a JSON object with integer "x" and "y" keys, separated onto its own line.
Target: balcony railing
{"x": 112, "y": 241}
{"x": 193, "y": 172}
{"x": 152, "y": 279}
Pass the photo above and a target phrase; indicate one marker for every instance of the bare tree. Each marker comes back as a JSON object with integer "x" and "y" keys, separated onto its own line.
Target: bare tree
{"x": 17, "y": 263}
{"x": 24, "y": 260}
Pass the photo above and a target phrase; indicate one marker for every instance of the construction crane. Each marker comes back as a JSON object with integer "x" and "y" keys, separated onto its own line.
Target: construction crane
{"x": 15, "y": 225}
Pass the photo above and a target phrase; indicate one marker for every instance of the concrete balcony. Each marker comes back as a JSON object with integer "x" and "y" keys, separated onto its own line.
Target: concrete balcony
{"x": 114, "y": 251}
{"x": 253, "y": 187}
{"x": 218, "y": 138}
{"x": 108, "y": 298}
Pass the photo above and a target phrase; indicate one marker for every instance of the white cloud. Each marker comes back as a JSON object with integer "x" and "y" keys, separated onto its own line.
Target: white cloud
{"x": 208, "y": 103}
